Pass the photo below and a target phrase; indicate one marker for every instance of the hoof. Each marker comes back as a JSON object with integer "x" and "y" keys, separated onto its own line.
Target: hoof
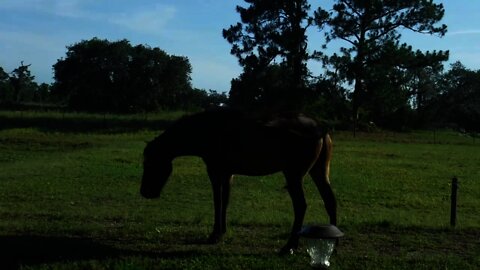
{"x": 214, "y": 238}
{"x": 290, "y": 247}
{"x": 286, "y": 251}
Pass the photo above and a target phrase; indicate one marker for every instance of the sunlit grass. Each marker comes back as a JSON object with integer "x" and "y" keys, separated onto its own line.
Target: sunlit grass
{"x": 70, "y": 200}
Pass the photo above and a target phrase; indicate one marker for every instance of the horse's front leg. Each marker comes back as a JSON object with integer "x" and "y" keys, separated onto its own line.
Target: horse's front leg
{"x": 216, "y": 234}
{"x": 226, "y": 186}
{"x": 295, "y": 189}
{"x": 221, "y": 194}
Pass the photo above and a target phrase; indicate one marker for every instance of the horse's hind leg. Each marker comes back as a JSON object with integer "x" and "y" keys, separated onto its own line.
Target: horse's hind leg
{"x": 320, "y": 175}
{"x": 295, "y": 189}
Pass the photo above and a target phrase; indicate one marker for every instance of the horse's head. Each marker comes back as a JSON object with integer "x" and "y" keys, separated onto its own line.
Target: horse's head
{"x": 157, "y": 167}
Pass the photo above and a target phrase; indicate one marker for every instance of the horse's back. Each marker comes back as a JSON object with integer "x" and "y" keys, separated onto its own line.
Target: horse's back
{"x": 252, "y": 146}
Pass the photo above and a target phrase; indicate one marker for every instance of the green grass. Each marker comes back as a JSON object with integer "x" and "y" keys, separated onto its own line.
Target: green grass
{"x": 86, "y": 122}
{"x": 70, "y": 200}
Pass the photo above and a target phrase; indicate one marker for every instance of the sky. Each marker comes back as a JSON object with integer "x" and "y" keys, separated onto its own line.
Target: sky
{"x": 37, "y": 32}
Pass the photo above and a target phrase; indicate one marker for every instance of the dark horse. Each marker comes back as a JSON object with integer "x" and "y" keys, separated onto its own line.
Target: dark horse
{"x": 231, "y": 143}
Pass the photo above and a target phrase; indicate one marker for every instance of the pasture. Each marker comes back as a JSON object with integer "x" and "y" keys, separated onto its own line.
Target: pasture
{"x": 69, "y": 199}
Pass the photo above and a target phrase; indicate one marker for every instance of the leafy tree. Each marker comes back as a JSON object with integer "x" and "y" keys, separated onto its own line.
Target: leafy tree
{"x": 266, "y": 90}
{"x": 203, "y": 99}
{"x": 23, "y": 84}
{"x": 424, "y": 87}
{"x": 372, "y": 31}
{"x": 6, "y": 89}
{"x": 330, "y": 101}
{"x": 271, "y": 31}
{"x": 83, "y": 78}
{"x": 99, "y": 75}
{"x": 217, "y": 99}
{"x": 42, "y": 93}
{"x": 459, "y": 102}
{"x": 177, "y": 80}
{"x": 392, "y": 84}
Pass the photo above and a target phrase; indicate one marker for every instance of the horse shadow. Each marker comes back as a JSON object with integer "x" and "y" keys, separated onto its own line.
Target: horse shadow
{"x": 19, "y": 251}
{"x": 16, "y": 252}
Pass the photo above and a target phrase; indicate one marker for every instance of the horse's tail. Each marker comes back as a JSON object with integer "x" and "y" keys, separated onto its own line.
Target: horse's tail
{"x": 320, "y": 173}
{"x": 325, "y": 156}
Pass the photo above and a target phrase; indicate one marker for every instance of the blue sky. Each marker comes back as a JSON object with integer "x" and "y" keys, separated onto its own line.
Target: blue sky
{"x": 38, "y": 31}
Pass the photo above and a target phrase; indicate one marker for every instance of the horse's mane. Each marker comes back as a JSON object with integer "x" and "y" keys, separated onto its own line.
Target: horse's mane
{"x": 208, "y": 119}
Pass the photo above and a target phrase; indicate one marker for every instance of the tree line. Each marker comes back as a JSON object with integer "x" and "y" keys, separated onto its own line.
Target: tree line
{"x": 98, "y": 75}
{"x": 373, "y": 80}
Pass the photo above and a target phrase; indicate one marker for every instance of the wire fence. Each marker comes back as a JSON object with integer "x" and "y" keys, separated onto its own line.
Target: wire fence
{"x": 433, "y": 136}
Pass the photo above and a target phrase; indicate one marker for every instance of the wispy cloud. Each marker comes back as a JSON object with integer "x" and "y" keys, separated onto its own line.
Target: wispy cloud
{"x": 69, "y": 8}
{"x": 151, "y": 20}
{"x": 464, "y": 32}
{"x": 18, "y": 40}
{"x": 64, "y": 8}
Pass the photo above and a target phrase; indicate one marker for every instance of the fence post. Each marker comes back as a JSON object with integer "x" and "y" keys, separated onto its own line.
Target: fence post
{"x": 453, "y": 206}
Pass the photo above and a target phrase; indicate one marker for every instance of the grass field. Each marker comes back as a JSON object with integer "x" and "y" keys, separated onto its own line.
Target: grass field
{"x": 69, "y": 199}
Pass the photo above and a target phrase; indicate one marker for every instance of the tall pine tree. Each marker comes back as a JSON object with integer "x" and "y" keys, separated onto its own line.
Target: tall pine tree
{"x": 270, "y": 43}
{"x": 372, "y": 31}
